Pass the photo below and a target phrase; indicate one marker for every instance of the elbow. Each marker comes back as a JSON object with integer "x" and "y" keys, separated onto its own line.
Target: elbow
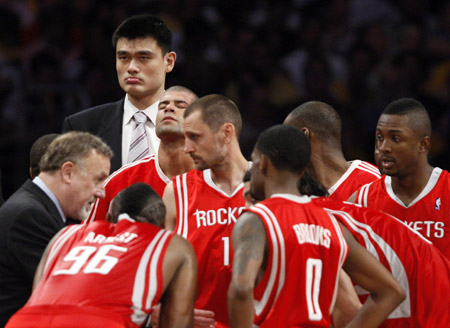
{"x": 240, "y": 292}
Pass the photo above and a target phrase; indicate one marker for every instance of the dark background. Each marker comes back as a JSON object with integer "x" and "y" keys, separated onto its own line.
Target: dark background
{"x": 56, "y": 58}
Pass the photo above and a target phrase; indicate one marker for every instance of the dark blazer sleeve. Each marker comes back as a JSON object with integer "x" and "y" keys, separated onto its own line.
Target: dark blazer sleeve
{"x": 105, "y": 121}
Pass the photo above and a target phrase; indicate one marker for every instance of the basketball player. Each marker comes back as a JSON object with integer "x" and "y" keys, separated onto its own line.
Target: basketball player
{"x": 421, "y": 269}
{"x": 289, "y": 251}
{"x": 411, "y": 190}
{"x": 156, "y": 170}
{"x": 111, "y": 275}
{"x": 203, "y": 204}
{"x": 322, "y": 125}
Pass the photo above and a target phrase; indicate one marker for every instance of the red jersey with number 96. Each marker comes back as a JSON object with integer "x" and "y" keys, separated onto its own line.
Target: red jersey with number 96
{"x": 112, "y": 267}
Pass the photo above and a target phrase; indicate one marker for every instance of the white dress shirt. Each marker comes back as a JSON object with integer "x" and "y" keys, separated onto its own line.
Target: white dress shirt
{"x": 128, "y": 125}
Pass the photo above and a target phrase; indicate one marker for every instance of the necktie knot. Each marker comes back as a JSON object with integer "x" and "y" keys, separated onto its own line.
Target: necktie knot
{"x": 140, "y": 117}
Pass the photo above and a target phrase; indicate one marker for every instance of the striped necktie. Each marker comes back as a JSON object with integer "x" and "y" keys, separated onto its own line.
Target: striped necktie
{"x": 139, "y": 142}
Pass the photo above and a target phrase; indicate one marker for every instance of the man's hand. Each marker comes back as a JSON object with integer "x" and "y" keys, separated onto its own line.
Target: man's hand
{"x": 204, "y": 318}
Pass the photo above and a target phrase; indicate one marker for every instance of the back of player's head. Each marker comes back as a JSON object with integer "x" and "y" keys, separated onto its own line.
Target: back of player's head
{"x": 75, "y": 147}
{"x": 216, "y": 110}
{"x": 320, "y": 118}
{"x": 141, "y": 203}
{"x": 418, "y": 118}
{"x": 38, "y": 150}
{"x": 287, "y": 148}
{"x": 144, "y": 26}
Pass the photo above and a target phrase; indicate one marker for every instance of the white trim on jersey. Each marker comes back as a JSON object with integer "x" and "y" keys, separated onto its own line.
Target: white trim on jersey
{"x": 60, "y": 241}
{"x": 207, "y": 176}
{"x": 293, "y": 198}
{"x": 361, "y": 197}
{"x": 279, "y": 257}
{"x": 183, "y": 205}
{"x": 432, "y": 181}
{"x": 356, "y": 164}
{"x": 342, "y": 257}
{"x": 144, "y": 160}
{"x": 149, "y": 261}
{"x": 396, "y": 266}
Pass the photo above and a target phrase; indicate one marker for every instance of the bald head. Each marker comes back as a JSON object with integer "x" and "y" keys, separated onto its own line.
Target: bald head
{"x": 418, "y": 119}
{"x": 320, "y": 119}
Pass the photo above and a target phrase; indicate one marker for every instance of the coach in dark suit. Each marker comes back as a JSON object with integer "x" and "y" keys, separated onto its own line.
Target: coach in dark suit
{"x": 143, "y": 58}
{"x": 73, "y": 171}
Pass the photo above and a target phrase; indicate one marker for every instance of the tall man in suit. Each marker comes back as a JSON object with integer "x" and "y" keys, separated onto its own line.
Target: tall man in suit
{"x": 143, "y": 58}
{"x": 73, "y": 170}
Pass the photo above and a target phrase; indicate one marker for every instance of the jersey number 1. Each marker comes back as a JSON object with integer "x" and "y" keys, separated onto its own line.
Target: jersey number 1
{"x": 100, "y": 263}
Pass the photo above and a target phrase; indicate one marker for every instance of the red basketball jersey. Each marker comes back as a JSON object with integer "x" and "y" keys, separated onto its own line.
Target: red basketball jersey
{"x": 421, "y": 269}
{"x": 206, "y": 217}
{"x": 306, "y": 252}
{"x": 110, "y": 267}
{"x": 358, "y": 174}
{"x": 428, "y": 214}
{"x": 146, "y": 170}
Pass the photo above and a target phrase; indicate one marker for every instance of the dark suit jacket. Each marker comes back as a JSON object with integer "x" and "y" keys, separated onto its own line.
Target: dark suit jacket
{"x": 28, "y": 220}
{"x": 104, "y": 121}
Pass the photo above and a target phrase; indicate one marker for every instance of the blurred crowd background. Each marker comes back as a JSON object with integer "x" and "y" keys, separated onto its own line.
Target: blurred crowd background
{"x": 269, "y": 56}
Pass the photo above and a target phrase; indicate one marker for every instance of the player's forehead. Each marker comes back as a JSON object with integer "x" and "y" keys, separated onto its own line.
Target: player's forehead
{"x": 193, "y": 123}
{"x": 176, "y": 96}
{"x": 392, "y": 123}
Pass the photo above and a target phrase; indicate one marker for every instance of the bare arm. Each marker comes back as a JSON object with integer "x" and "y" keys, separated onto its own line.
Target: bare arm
{"x": 41, "y": 266}
{"x": 347, "y": 302}
{"x": 171, "y": 208}
{"x": 249, "y": 241}
{"x": 352, "y": 198}
{"x": 180, "y": 284}
{"x": 385, "y": 292}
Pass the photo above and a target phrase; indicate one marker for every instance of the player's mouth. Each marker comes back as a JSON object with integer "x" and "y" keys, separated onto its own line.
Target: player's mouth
{"x": 133, "y": 80}
{"x": 387, "y": 163}
{"x": 168, "y": 118}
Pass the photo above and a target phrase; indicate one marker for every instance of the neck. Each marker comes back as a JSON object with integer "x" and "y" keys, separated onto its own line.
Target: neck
{"x": 281, "y": 183}
{"x": 409, "y": 186}
{"x": 172, "y": 158}
{"x": 329, "y": 164}
{"x": 146, "y": 101}
{"x": 56, "y": 186}
{"x": 229, "y": 174}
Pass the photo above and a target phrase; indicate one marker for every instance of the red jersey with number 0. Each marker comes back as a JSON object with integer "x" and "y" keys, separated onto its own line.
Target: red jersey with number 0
{"x": 146, "y": 170}
{"x": 358, "y": 174}
{"x": 306, "y": 252}
{"x": 428, "y": 214}
{"x": 112, "y": 267}
{"x": 421, "y": 269}
{"x": 206, "y": 217}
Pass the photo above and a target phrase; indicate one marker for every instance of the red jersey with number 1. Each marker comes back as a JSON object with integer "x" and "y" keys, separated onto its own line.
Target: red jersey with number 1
{"x": 358, "y": 174}
{"x": 205, "y": 217}
{"x": 146, "y": 170}
{"x": 112, "y": 268}
{"x": 421, "y": 269}
{"x": 306, "y": 252}
{"x": 428, "y": 214}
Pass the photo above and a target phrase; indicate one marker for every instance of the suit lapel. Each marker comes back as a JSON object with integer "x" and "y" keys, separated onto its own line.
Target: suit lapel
{"x": 111, "y": 132}
{"x": 46, "y": 201}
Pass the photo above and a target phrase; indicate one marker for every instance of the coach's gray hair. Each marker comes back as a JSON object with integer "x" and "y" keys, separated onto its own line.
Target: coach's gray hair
{"x": 72, "y": 147}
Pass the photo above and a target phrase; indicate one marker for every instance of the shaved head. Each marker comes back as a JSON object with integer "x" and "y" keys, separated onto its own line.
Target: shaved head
{"x": 418, "y": 118}
{"x": 320, "y": 118}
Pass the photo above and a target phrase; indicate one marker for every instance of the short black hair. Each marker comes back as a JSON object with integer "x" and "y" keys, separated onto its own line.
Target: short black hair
{"x": 309, "y": 186}
{"x": 419, "y": 119}
{"x": 216, "y": 110}
{"x": 322, "y": 119}
{"x": 143, "y": 26}
{"x": 287, "y": 147}
{"x": 38, "y": 150}
{"x": 141, "y": 203}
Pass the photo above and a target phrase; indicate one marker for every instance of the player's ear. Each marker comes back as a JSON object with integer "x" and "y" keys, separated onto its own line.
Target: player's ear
{"x": 263, "y": 164}
{"x": 307, "y": 132}
{"x": 228, "y": 131}
{"x": 425, "y": 144}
